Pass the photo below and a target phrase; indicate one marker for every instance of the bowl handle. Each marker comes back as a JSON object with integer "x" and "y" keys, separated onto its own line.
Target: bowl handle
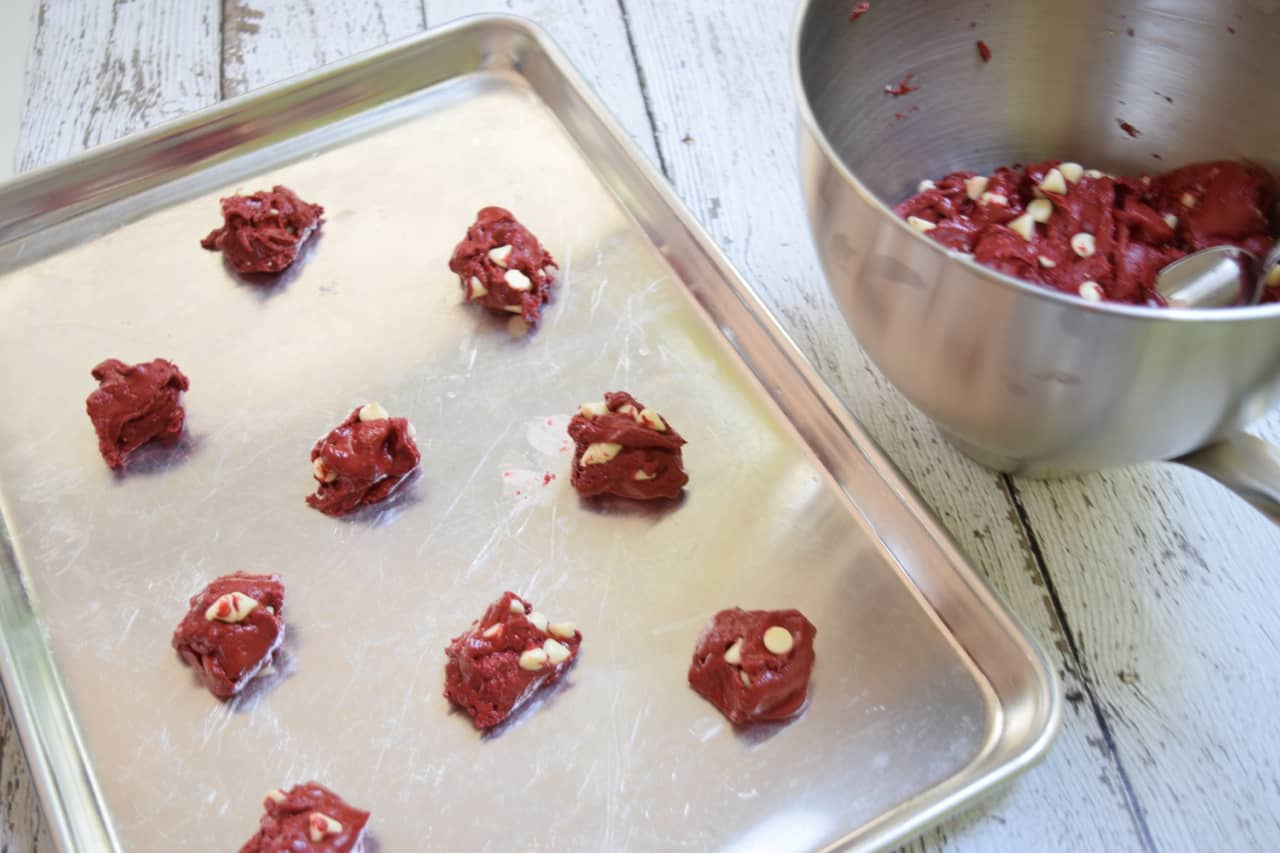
{"x": 1246, "y": 465}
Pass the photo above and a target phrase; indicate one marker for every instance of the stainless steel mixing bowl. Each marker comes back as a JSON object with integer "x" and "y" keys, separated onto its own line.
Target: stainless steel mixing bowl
{"x": 1023, "y": 379}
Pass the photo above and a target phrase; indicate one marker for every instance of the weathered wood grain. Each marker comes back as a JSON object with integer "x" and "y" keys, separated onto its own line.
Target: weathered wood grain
{"x": 264, "y": 41}
{"x": 718, "y": 87}
{"x": 100, "y": 69}
{"x": 1171, "y": 588}
{"x": 22, "y": 826}
{"x": 592, "y": 34}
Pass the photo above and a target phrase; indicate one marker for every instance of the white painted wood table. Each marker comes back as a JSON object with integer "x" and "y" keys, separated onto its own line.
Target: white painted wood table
{"x": 1152, "y": 589}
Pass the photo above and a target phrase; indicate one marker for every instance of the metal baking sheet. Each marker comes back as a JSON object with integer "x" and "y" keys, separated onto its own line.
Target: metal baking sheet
{"x": 925, "y": 693}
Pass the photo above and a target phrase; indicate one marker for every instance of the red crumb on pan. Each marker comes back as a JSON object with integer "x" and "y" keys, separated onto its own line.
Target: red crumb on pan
{"x": 859, "y": 9}
{"x": 903, "y": 88}
{"x": 984, "y": 51}
{"x": 1128, "y": 128}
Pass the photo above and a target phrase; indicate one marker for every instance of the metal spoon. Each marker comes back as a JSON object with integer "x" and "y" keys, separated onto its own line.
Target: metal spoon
{"x": 1218, "y": 277}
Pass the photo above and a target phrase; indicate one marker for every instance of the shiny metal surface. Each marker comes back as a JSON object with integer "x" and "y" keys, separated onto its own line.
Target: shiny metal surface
{"x": 1247, "y": 465}
{"x": 925, "y": 692}
{"x": 1024, "y": 379}
{"x": 1217, "y": 277}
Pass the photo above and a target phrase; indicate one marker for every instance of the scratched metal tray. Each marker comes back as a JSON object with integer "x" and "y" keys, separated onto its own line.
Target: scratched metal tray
{"x": 925, "y": 694}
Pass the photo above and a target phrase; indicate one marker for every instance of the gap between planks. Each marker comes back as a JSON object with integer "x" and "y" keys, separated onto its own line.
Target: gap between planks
{"x": 1082, "y": 670}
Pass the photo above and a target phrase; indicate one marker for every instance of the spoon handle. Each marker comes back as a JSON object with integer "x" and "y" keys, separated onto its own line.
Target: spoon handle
{"x": 1246, "y": 465}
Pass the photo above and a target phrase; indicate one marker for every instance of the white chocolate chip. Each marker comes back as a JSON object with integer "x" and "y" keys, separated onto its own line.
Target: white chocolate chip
{"x": 1040, "y": 209}
{"x": 1171, "y": 220}
{"x": 1047, "y": 263}
{"x": 733, "y": 654}
{"x": 1084, "y": 244}
{"x": 321, "y": 826}
{"x": 1071, "y": 171}
{"x": 517, "y": 280}
{"x": 600, "y": 452}
{"x": 538, "y": 620}
{"x": 926, "y": 184}
{"x": 1025, "y": 226}
{"x": 593, "y": 410}
{"x": 631, "y": 410}
{"x": 499, "y": 255}
{"x": 494, "y": 630}
{"x": 516, "y": 606}
{"x": 514, "y": 309}
{"x": 976, "y": 187}
{"x": 556, "y": 651}
{"x": 642, "y": 475}
{"x": 276, "y": 795}
{"x": 532, "y": 660}
{"x": 746, "y": 679}
{"x": 1053, "y": 182}
{"x": 322, "y": 471}
{"x": 1188, "y": 200}
{"x": 999, "y": 199}
{"x": 924, "y": 226}
{"x": 477, "y": 288}
{"x": 1146, "y": 180}
{"x": 778, "y": 640}
{"x": 653, "y": 420}
{"x": 563, "y": 630}
{"x": 372, "y": 412}
{"x": 1091, "y": 291}
{"x": 1092, "y": 173}
{"x": 231, "y": 607}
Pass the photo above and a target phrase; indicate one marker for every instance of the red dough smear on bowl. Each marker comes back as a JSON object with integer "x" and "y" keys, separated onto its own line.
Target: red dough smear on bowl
{"x": 1092, "y": 234}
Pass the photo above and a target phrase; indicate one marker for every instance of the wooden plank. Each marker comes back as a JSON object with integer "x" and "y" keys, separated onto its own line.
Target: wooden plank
{"x": 22, "y": 826}
{"x": 267, "y": 42}
{"x": 290, "y": 37}
{"x": 1170, "y": 583}
{"x": 592, "y": 35}
{"x": 717, "y": 79}
{"x": 100, "y": 69}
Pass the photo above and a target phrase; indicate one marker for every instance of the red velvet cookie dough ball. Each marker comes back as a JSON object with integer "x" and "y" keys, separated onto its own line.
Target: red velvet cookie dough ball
{"x": 233, "y": 627}
{"x": 625, "y": 449}
{"x": 513, "y": 651}
{"x": 263, "y": 232}
{"x": 362, "y": 460}
{"x": 308, "y": 817}
{"x": 754, "y": 665}
{"x": 135, "y": 404}
{"x": 502, "y": 266}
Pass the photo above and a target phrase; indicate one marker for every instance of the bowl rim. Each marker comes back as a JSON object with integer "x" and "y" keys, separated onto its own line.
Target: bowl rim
{"x": 1123, "y": 309}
